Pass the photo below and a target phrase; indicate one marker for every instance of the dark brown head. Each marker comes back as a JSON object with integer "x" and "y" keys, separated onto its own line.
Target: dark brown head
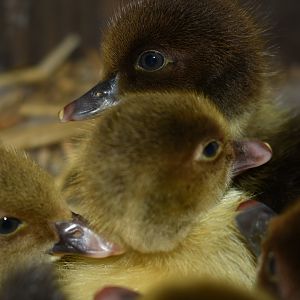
{"x": 209, "y": 46}
{"x": 155, "y": 162}
{"x": 279, "y": 271}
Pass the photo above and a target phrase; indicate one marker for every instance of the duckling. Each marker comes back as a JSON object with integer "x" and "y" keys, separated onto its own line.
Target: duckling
{"x": 279, "y": 269}
{"x": 206, "y": 289}
{"x": 155, "y": 155}
{"x": 34, "y": 282}
{"x": 145, "y": 160}
{"x": 212, "y": 47}
{"x": 30, "y": 207}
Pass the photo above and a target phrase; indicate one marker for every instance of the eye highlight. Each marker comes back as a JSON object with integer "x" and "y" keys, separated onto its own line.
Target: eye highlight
{"x": 151, "y": 61}
{"x": 9, "y": 225}
{"x": 271, "y": 267}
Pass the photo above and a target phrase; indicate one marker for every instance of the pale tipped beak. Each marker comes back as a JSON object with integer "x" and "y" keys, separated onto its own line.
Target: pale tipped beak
{"x": 92, "y": 103}
{"x": 250, "y": 154}
{"x": 252, "y": 222}
{"x": 75, "y": 238}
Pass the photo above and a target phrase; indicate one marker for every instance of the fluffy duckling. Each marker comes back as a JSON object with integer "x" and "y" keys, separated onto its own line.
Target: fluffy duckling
{"x": 193, "y": 290}
{"x": 212, "y": 47}
{"x": 156, "y": 155}
{"x": 279, "y": 271}
{"x": 37, "y": 282}
{"x": 31, "y": 211}
{"x": 151, "y": 178}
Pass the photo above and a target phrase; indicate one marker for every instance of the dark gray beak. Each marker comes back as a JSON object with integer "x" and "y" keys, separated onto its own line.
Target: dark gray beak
{"x": 253, "y": 221}
{"x": 92, "y": 103}
{"x": 75, "y": 238}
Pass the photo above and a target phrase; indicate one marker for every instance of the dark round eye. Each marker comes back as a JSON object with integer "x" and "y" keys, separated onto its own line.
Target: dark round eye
{"x": 9, "y": 225}
{"x": 151, "y": 61}
{"x": 211, "y": 149}
{"x": 271, "y": 267}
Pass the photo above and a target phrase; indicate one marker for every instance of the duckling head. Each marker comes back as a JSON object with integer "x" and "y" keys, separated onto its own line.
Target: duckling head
{"x": 31, "y": 214}
{"x": 212, "y": 47}
{"x": 279, "y": 269}
{"x": 154, "y": 163}
{"x": 29, "y": 204}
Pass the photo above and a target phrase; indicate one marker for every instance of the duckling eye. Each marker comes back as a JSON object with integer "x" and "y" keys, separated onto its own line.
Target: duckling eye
{"x": 211, "y": 150}
{"x": 271, "y": 267}
{"x": 151, "y": 61}
{"x": 9, "y": 225}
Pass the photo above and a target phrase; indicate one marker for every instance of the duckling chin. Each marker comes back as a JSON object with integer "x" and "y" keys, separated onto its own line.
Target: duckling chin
{"x": 212, "y": 47}
{"x": 153, "y": 156}
{"x": 213, "y": 248}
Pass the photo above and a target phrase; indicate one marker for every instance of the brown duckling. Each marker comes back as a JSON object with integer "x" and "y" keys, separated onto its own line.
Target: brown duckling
{"x": 151, "y": 176}
{"x": 206, "y": 289}
{"x": 30, "y": 206}
{"x": 212, "y": 47}
{"x": 279, "y": 271}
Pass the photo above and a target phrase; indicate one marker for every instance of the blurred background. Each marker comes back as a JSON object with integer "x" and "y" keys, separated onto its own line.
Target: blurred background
{"x": 48, "y": 56}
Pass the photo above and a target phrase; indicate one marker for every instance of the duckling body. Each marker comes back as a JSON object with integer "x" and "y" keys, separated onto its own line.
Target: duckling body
{"x": 212, "y": 248}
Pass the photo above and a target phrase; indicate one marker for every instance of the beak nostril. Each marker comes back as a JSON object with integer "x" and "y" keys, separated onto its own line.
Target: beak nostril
{"x": 77, "y": 233}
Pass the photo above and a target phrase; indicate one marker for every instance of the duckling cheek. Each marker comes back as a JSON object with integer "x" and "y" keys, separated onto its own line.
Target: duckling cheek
{"x": 97, "y": 99}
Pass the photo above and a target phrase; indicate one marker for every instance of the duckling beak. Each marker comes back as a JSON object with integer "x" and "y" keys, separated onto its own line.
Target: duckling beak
{"x": 116, "y": 293}
{"x": 250, "y": 154}
{"x": 92, "y": 103}
{"x": 75, "y": 238}
{"x": 252, "y": 221}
